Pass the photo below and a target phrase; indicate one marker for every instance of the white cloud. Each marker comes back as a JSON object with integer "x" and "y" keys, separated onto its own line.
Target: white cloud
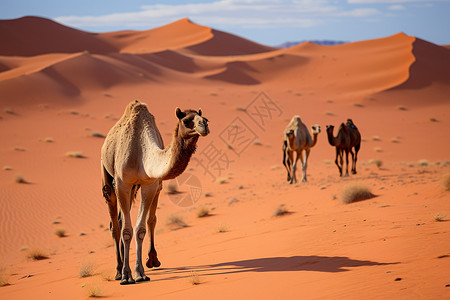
{"x": 396, "y": 7}
{"x": 226, "y": 13}
{"x": 392, "y": 1}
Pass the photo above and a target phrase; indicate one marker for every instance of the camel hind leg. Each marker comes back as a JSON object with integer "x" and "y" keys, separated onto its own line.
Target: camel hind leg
{"x": 115, "y": 226}
{"x": 152, "y": 260}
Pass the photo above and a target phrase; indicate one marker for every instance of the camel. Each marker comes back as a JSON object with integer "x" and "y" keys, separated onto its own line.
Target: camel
{"x": 132, "y": 157}
{"x": 348, "y": 137}
{"x": 297, "y": 139}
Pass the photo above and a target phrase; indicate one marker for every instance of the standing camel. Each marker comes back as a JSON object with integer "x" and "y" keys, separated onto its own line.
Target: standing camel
{"x": 133, "y": 156}
{"x": 297, "y": 139}
{"x": 348, "y": 137}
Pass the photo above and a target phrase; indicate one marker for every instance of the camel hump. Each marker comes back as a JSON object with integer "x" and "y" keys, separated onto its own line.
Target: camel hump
{"x": 343, "y": 127}
{"x": 135, "y": 108}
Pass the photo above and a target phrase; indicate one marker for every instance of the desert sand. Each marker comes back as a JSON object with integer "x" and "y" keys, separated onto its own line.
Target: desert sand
{"x": 62, "y": 89}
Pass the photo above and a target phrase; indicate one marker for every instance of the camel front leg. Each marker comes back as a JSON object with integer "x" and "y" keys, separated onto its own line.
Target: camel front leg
{"x": 111, "y": 200}
{"x": 294, "y": 168}
{"x": 152, "y": 260}
{"x": 124, "y": 195}
{"x": 287, "y": 161}
{"x": 305, "y": 164}
{"x": 148, "y": 194}
{"x": 338, "y": 158}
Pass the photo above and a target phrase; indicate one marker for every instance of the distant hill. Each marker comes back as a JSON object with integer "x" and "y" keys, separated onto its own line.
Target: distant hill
{"x": 318, "y": 42}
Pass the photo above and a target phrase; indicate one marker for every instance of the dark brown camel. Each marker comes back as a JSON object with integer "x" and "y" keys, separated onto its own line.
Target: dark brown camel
{"x": 348, "y": 137}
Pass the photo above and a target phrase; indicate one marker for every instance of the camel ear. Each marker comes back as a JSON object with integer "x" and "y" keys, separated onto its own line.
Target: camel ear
{"x": 200, "y": 112}
{"x": 180, "y": 115}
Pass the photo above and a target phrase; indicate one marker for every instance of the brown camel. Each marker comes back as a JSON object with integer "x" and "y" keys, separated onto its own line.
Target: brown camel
{"x": 297, "y": 139}
{"x": 133, "y": 156}
{"x": 348, "y": 137}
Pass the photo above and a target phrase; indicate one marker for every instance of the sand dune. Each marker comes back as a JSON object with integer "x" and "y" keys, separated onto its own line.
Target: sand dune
{"x": 56, "y": 98}
{"x": 29, "y": 36}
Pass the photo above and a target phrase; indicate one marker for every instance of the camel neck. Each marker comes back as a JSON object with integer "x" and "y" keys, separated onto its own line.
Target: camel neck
{"x": 180, "y": 151}
{"x": 330, "y": 138}
{"x": 314, "y": 141}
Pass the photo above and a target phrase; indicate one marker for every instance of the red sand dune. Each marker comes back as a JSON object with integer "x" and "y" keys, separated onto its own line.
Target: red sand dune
{"x": 55, "y": 97}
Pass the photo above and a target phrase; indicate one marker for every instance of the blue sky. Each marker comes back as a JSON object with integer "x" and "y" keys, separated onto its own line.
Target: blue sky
{"x": 269, "y": 22}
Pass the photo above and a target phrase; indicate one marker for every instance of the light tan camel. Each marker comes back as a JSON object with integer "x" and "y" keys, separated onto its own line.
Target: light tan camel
{"x": 296, "y": 138}
{"x": 133, "y": 156}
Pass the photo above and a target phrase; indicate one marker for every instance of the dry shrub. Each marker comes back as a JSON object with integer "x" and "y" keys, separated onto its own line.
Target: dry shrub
{"x": 194, "y": 278}
{"x": 395, "y": 140}
{"x": 98, "y": 134}
{"x": 20, "y": 179}
{"x": 356, "y": 192}
{"x": 377, "y": 149}
{"x": 377, "y": 162}
{"x": 94, "y": 291}
{"x": 172, "y": 188}
{"x": 439, "y": 218}
{"x": 376, "y": 138}
{"x": 401, "y": 107}
{"x": 281, "y": 211}
{"x": 36, "y": 254}
{"x": 75, "y": 154}
{"x": 203, "y": 212}
{"x": 222, "y": 228}
{"x": 176, "y": 222}
{"x": 446, "y": 181}
{"x": 423, "y": 163}
{"x": 48, "y": 140}
{"x": 60, "y": 232}
{"x": 86, "y": 269}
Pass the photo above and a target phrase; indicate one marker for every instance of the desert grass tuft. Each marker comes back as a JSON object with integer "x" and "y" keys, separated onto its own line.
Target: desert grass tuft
{"x": 94, "y": 291}
{"x": 395, "y": 140}
{"x": 86, "y": 269}
{"x": 194, "y": 278}
{"x": 446, "y": 181}
{"x": 7, "y": 168}
{"x": 439, "y": 218}
{"x": 176, "y": 222}
{"x": 48, "y": 140}
{"x": 75, "y": 154}
{"x": 423, "y": 163}
{"x": 98, "y": 134}
{"x": 20, "y": 179}
{"x": 376, "y": 138}
{"x": 4, "y": 277}
{"x": 172, "y": 188}
{"x": 377, "y": 162}
{"x": 401, "y": 107}
{"x": 377, "y": 149}
{"x": 60, "y": 232}
{"x": 222, "y": 228}
{"x": 9, "y": 111}
{"x": 281, "y": 210}
{"x": 355, "y": 192}
{"x": 203, "y": 212}
{"x": 433, "y": 119}
{"x": 36, "y": 254}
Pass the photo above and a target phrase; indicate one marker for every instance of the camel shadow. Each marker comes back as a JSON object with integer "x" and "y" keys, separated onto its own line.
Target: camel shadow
{"x": 271, "y": 264}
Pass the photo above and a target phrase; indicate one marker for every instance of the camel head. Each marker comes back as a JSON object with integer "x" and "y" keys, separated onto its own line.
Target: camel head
{"x": 191, "y": 123}
{"x": 315, "y": 129}
{"x": 330, "y": 129}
